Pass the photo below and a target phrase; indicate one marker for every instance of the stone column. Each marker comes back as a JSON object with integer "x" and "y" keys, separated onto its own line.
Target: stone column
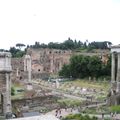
{"x": 28, "y": 66}
{"x": 52, "y": 64}
{"x": 29, "y": 70}
{"x": 5, "y": 71}
{"x": 6, "y": 95}
{"x": 57, "y": 84}
{"x": 113, "y": 78}
{"x": 118, "y": 74}
{"x": 17, "y": 72}
{"x": 25, "y": 66}
{"x": 113, "y": 68}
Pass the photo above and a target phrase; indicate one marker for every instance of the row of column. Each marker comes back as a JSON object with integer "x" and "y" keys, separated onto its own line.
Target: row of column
{"x": 115, "y": 72}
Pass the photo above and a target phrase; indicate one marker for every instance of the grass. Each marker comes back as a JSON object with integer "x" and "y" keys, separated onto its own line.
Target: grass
{"x": 90, "y": 84}
{"x": 102, "y": 109}
{"x": 115, "y": 109}
{"x": 18, "y": 95}
{"x": 69, "y": 102}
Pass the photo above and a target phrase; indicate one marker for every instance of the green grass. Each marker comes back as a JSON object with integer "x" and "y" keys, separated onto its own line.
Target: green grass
{"x": 85, "y": 83}
{"x": 115, "y": 109}
{"x": 69, "y": 102}
{"x": 98, "y": 110}
{"x": 18, "y": 95}
{"x": 79, "y": 117}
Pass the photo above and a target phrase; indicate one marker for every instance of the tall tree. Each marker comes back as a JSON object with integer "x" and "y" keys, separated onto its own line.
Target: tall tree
{"x": 20, "y": 45}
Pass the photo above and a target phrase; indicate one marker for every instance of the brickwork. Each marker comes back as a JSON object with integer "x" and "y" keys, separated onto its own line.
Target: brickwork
{"x": 48, "y": 60}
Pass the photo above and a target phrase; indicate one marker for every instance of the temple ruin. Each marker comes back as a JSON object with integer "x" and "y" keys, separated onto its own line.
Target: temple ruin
{"x": 5, "y": 82}
{"x": 27, "y": 66}
{"x": 114, "y": 96}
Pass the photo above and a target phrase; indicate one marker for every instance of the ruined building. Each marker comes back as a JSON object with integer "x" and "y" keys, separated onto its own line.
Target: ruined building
{"x": 39, "y": 63}
{"x": 114, "y": 95}
{"x": 48, "y": 60}
{"x": 5, "y": 82}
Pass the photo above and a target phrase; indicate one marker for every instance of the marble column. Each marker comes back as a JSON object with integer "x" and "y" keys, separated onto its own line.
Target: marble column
{"x": 29, "y": 70}
{"x": 113, "y": 78}
{"x": 7, "y": 95}
{"x": 28, "y": 66}
{"x": 17, "y": 72}
{"x": 113, "y": 68}
{"x": 118, "y": 74}
{"x": 25, "y": 66}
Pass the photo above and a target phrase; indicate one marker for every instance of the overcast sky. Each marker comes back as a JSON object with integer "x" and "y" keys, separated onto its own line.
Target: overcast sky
{"x": 27, "y": 21}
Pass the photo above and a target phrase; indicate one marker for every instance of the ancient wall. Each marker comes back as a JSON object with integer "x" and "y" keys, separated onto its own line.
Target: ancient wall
{"x": 48, "y": 60}
{"x": 17, "y": 66}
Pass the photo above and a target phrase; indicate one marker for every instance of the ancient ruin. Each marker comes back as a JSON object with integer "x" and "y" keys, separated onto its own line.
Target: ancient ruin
{"x": 5, "y": 81}
{"x": 40, "y": 63}
{"x": 27, "y": 66}
{"x": 48, "y": 60}
{"x": 114, "y": 96}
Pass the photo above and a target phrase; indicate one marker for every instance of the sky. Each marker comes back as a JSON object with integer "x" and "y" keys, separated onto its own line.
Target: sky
{"x": 27, "y": 21}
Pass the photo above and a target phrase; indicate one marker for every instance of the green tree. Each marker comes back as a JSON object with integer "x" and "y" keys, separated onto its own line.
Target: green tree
{"x": 20, "y": 45}
{"x": 94, "y": 66}
{"x": 65, "y": 71}
{"x": 69, "y": 43}
{"x": 84, "y": 66}
{"x": 12, "y": 91}
{"x": 16, "y": 52}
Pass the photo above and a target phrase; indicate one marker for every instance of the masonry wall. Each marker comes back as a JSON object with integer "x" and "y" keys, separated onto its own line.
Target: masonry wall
{"x": 47, "y": 61}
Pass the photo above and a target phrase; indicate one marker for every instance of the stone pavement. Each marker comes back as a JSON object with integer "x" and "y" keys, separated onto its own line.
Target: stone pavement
{"x": 64, "y": 112}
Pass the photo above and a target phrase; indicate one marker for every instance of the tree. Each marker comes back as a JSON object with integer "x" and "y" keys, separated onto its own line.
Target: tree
{"x": 65, "y": 71}
{"x": 94, "y": 66}
{"x": 16, "y": 52}
{"x": 84, "y": 66}
{"x": 69, "y": 43}
{"x": 20, "y": 45}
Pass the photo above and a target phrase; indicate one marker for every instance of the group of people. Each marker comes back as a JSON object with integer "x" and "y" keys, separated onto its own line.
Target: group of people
{"x": 58, "y": 113}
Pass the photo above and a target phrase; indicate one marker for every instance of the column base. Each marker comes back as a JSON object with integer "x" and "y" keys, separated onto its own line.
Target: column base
{"x": 118, "y": 87}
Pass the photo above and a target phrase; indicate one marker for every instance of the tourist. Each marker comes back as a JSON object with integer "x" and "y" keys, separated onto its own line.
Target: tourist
{"x": 102, "y": 115}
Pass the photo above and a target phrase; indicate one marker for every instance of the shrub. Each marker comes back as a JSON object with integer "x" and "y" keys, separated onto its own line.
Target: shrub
{"x": 115, "y": 108}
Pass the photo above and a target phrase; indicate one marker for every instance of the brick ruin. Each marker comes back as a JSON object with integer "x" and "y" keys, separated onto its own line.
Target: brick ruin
{"x": 43, "y": 63}
{"x": 46, "y": 61}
